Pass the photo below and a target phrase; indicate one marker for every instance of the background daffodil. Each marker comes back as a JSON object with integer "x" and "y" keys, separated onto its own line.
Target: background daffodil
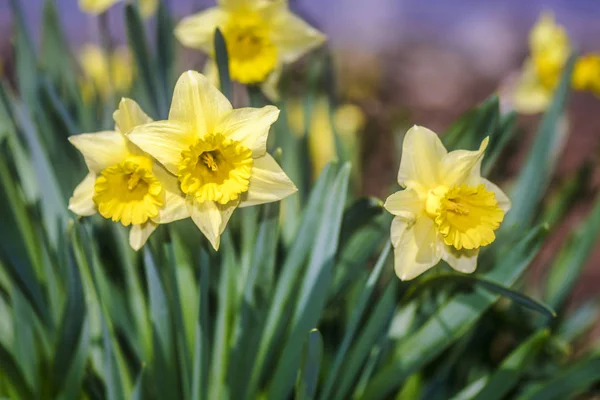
{"x": 102, "y": 74}
{"x": 260, "y": 36}
{"x": 218, "y": 154}
{"x": 124, "y": 184}
{"x": 447, "y": 211}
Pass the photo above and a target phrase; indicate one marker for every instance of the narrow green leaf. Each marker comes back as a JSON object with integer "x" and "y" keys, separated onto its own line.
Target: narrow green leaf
{"x": 504, "y": 132}
{"x": 308, "y": 377}
{"x": 222, "y": 63}
{"x": 513, "y": 367}
{"x": 570, "y": 262}
{"x": 165, "y": 50}
{"x": 579, "y": 322}
{"x": 453, "y": 319}
{"x": 71, "y": 388}
{"x": 314, "y": 286}
{"x": 287, "y": 281}
{"x": 354, "y": 323}
{"x": 136, "y": 37}
{"x": 569, "y": 383}
{"x": 359, "y": 214}
{"x": 202, "y": 339}
{"x": 138, "y": 389}
{"x": 112, "y": 378}
{"x": 16, "y": 379}
{"x": 533, "y": 180}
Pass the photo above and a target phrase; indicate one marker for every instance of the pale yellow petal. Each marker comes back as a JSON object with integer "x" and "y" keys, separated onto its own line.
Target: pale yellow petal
{"x": 268, "y": 183}
{"x": 530, "y": 96}
{"x": 198, "y": 30}
{"x": 416, "y": 247}
{"x": 464, "y": 261}
{"x": 101, "y": 149}
{"x": 175, "y": 207}
{"x": 164, "y": 140}
{"x": 422, "y": 153}
{"x": 270, "y": 86}
{"x": 211, "y": 218}
{"x": 198, "y": 103}
{"x": 405, "y": 203}
{"x": 250, "y": 126}
{"x": 129, "y": 115}
{"x": 293, "y": 36}
{"x": 139, "y": 234}
{"x": 212, "y": 72}
{"x": 460, "y": 165}
{"x": 503, "y": 201}
{"x": 82, "y": 203}
{"x": 148, "y": 7}
{"x": 96, "y": 6}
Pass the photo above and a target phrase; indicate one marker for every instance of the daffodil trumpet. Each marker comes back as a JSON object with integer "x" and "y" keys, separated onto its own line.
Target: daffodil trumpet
{"x": 217, "y": 154}
{"x": 123, "y": 183}
{"x": 447, "y": 210}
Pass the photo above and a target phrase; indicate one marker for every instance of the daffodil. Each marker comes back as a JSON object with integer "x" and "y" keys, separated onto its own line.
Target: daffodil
{"x": 218, "y": 154}
{"x": 550, "y": 47}
{"x": 446, "y": 211}
{"x": 260, "y": 35}
{"x": 102, "y": 74}
{"x": 96, "y": 7}
{"x": 124, "y": 183}
{"x": 586, "y": 73}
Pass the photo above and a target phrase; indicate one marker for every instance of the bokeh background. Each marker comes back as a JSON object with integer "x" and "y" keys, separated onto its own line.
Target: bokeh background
{"x": 410, "y": 62}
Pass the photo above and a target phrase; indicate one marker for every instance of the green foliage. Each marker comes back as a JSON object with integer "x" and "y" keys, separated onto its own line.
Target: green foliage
{"x": 300, "y": 301}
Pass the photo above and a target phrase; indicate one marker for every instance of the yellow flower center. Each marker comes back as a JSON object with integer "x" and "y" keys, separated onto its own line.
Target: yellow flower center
{"x": 466, "y": 216}
{"x": 252, "y": 53}
{"x": 215, "y": 168}
{"x": 129, "y": 192}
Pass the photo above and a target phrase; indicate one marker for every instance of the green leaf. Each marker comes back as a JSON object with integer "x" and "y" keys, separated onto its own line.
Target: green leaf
{"x": 569, "y": 383}
{"x": 374, "y": 330}
{"x": 202, "y": 339}
{"x": 314, "y": 285}
{"x": 71, "y": 326}
{"x": 531, "y": 185}
{"x": 579, "y": 322}
{"x": 288, "y": 278}
{"x": 518, "y": 362}
{"x": 570, "y": 262}
{"x": 504, "y": 132}
{"x": 138, "y": 389}
{"x": 16, "y": 379}
{"x": 308, "y": 377}
{"x": 222, "y": 63}
{"x": 359, "y": 214}
{"x": 165, "y": 51}
{"x": 145, "y": 65}
{"x": 474, "y": 126}
{"x": 112, "y": 378}
{"x": 71, "y": 388}
{"x": 223, "y": 324}
{"x": 354, "y": 323}
{"x": 452, "y": 320}
{"x": 493, "y": 287}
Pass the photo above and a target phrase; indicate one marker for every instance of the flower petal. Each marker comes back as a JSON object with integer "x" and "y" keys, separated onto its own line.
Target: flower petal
{"x": 292, "y": 36}
{"x": 102, "y": 149}
{"x": 198, "y": 30}
{"x": 464, "y": 261}
{"x": 530, "y": 96}
{"x": 96, "y": 7}
{"x": 129, "y": 115}
{"x": 422, "y": 152}
{"x": 139, "y": 234}
{"x": 198, "y": 103}
{"x": 268, "y": 183}
{"x": 164, "y": 140}
{"x": 416, "y": 247}
{"x": 250, "y": 126}
{"x": 211, "y": 218}
{"x": 503, "y": 201}
{"x": 461, "y": 165}
{"x": 405, "y": 203}
{"x": 175, "y": 207}
{"x": 82, "y": 203}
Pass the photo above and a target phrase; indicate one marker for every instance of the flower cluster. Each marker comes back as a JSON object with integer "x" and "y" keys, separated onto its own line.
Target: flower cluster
{"x": 207, "y": 159}
{"x": 203, "y": 162}
{"x": 550, "y": 48}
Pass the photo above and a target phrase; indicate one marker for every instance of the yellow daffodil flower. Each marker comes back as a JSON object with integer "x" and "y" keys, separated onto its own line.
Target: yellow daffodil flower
{"x": 550, "y": 48}
{"x": 96, "y": 7}
{"x": 218, "y": 154}
{"x": 105, "y": 75}
{"x": 124, "y": 183}
{"x": 260, "y": 36}
{"x": 447, "y": 211}
{"x": 586, "y": 73}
